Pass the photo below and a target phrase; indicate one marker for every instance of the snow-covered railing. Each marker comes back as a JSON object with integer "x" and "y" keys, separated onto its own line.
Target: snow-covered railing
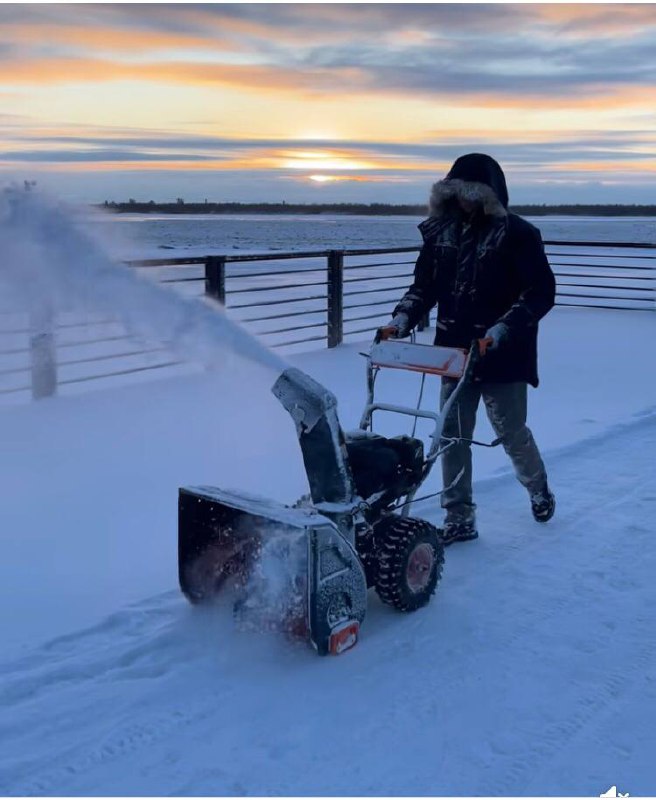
{"x": 291, "y": 301}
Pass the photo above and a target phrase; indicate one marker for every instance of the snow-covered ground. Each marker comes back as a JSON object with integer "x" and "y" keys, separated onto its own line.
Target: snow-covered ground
{"x": 530, "y": 673}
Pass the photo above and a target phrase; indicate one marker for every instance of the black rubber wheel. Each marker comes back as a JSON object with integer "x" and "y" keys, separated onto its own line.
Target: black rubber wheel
{"x": 410, "y": 557}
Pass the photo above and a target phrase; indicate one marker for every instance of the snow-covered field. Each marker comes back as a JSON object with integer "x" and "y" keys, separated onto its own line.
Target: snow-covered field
{"x": 530, "y": 673}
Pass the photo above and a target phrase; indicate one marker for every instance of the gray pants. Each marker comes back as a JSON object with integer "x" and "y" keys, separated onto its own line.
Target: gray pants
{"x": 505, "y": 404}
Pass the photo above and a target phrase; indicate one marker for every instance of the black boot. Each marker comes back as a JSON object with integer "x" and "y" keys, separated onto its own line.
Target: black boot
{"x": 458, "y": 529}
{"x": 543, "y": 504}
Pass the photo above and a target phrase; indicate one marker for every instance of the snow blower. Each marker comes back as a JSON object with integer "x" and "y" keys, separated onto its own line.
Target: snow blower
{"x": 353, "y": 532}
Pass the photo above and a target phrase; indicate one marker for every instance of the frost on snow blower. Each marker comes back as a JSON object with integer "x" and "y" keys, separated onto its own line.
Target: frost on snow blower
{"x": 353, "y": 533}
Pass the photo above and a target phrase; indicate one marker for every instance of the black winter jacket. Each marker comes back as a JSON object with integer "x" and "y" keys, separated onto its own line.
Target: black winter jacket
{"x": 481, "y": 268}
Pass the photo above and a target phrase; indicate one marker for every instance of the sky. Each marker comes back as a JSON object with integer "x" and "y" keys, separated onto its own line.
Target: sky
{"x": 327, "y": 102}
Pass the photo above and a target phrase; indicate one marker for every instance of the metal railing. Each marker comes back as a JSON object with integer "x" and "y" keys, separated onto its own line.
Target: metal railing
{"x": 291, "y": 301}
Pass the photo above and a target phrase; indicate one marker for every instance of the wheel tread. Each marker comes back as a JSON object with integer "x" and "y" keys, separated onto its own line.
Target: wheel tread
{"x": 394, "y": 539}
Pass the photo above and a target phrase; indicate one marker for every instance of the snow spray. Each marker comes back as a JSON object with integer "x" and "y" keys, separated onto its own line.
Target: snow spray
{"x": 274, "y": 594}
{"x": 49, "y": 259}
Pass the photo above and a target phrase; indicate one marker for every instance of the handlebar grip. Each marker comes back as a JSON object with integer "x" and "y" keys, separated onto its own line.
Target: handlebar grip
{"x": 392, "y": 333}
{"x": 483, "y": 345}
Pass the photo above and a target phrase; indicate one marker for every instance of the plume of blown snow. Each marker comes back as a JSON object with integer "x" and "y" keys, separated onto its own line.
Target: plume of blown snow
{"x": 50, "y": 258}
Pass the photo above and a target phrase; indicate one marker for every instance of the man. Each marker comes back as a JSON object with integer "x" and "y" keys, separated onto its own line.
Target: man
{"x": 486, "y": 270}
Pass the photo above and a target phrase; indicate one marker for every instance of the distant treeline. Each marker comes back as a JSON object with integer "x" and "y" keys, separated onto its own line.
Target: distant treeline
{"x": 369, "y": 209}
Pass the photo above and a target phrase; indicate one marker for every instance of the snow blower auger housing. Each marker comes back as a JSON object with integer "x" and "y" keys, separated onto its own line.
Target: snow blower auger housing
{"x": 354, "y": 533}
{"x": 221, "y": 534}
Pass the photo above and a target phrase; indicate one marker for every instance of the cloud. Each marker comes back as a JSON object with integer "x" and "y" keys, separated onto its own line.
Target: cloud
{"x": 498, "y": 52}
{"x": 77, "y": 40}
{"x": 596, "y": 19}
{"x": 623, "y": 153}
{"x": 567, "y": 66}
{"x": 95, "y": 156}
{"x": 616, "y": 146}
{"x": 287, "y": 21}
{"x": 592, "y": 89}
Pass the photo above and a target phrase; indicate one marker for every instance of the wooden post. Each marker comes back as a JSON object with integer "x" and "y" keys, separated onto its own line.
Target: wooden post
{"x": 43, "y": 354}
{"x": 335, "y": 297}
{"x": 215, "y": 278}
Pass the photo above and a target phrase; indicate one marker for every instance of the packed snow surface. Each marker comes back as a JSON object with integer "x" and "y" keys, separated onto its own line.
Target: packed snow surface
{"x": 531, "y": 672}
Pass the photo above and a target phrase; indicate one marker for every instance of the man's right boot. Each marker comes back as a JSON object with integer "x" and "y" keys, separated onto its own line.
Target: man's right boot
{"x": 543, "y": 504}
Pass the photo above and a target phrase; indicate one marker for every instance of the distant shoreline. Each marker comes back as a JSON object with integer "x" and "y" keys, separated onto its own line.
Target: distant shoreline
{"x": 364, "y": 209}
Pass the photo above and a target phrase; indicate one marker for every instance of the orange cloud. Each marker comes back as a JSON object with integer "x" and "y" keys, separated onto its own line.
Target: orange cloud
{"x": 597, "y": 18}
{"x": 120, "y": 40}
{"x": 197, "y": 29}
{"x": 300, "y": 23}
{"x": 601, "y": 97}
{"x": 624, "y": 166}
{"x": 85, "y": 70}
{"x": 324, "y": 82}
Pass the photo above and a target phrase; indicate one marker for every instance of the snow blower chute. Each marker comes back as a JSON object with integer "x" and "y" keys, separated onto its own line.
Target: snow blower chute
{"x": 353, "y": 533}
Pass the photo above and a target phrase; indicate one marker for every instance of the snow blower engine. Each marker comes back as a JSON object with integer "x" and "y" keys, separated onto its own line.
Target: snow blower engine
{"x": 308, "y": 567}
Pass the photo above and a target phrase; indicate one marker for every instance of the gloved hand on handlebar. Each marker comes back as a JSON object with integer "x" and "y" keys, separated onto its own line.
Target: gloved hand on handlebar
{"x": 396, "y": 328}
{"x": 494, "y": 336}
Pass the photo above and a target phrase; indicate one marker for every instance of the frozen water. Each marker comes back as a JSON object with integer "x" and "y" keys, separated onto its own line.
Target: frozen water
{"x": 161, "y": 235}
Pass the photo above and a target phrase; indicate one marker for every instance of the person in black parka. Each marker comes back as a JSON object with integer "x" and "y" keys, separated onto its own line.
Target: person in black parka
{"x": 487, "y": 271}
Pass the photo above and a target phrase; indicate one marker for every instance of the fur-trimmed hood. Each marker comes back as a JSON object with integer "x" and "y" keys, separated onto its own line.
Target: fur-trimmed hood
{"x": 474, "y": 177}
{"x": 481, "y": 195}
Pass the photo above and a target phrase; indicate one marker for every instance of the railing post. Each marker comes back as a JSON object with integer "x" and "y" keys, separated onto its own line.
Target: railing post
{"x": 215, "y": 278}
{"x": 335, "y": 297}
{"x": 43, "y": 357}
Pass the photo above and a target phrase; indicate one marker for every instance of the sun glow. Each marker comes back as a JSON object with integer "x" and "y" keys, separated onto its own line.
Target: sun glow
{"x": 326, "y": 178}
{"x": 324, "y": 160}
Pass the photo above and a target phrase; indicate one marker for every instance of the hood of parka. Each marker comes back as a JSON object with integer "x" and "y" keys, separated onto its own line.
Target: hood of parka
{"x": 476, "y": 178}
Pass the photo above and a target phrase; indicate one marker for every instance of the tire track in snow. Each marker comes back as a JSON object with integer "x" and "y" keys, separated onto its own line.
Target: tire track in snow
{"x": 51, "y": 664}
{"x": 511, "y": 777}
{"x": 126, "y": 741}
{"x": 139, "y": 646}
{"x": 592, "y": 700}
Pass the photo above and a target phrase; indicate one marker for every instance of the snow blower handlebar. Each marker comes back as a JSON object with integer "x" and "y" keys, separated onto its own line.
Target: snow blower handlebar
{"x": 449, "y": 362}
